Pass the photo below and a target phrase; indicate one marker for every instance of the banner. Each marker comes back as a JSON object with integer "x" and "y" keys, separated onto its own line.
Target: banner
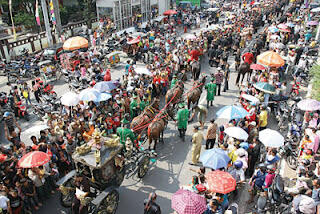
{"x": 13, "y": 28}
{"x": 37, "y": 13}
{"x": 53, "y": 18}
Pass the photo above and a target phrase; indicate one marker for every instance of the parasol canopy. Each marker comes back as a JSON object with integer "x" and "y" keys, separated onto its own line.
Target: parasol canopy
{"x": 190, "y": 36}
{"x": 312, "y": 23}
{"x": 237, "y": 132}
{"x": 265, "y": 87}
{"x": 89, "y": 94}
{"x": 75, "y": 43}
{"x": 187, "y": 202}
{"x": 257, "y": 67}
{"x": 250, "y": 98}
{"x": 133, "y": 41}
{"x": 70, "y": 99}
{"x": 309, "y": 105}
{"x": 232, "y": 112}
{"x": 271, "y": 59}
{"x": 104, "y": 86}
{"x": 220, "y": 182}
{"x": 271, "y": 138}
{"x": 33, "y": 159}
{"x": 282, "y": 26}
{"x": 273, "y": 29}
{"x": 170, "y": 12}
{"x": 214, "y": 158}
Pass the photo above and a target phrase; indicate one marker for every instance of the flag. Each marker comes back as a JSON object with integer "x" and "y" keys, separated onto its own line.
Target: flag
{"x": 53, "y": 18}
{"x": 13, "y": 28}
{"x": 37, "y": 13}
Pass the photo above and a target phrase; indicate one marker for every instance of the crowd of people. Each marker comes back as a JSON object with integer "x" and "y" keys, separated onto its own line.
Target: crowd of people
{"x": 169, "y": 57}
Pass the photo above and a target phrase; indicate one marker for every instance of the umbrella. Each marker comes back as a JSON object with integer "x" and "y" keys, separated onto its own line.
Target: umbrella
{"x": 190, "y": 36}
{"x": 103, "y": 97}
{"x": 75, "y": 43}
{"x": 214, "y": 158}
{"x": 89, "y": 94}
{"x": 33, "y": 159}
{"x": 285, "y": 30}
{"x": 133, "y": 41}
{"x": 282, "y": 26}
{"x": 70, "y": 99}
{"x": 237, "y": 132}
{"x": 271, "y": 138}
{"x": 257, "y": 67}
{"x": 137, "y": 34}
{"x": 312, "y": 23}
{"x": 250, "y": 98}
{"x": 142, "y": 70}
{"x": 213, "y": 9}
{"x": 232, "y": 112}
{"x": 265, "y": 87}
{"x": 271, "y": 59}
{"x": 273, "y": 29}
{"x": 309, "y": 105}
{"x": 214, "y": 27}
{"x": 220, "y": 182}
{"x": 186, "y": 202}
{"x": 170, "y": 12}
{"x": 104, "y": 86}
{"x": 315, "y": 10}
{"x": 290, "y": 24}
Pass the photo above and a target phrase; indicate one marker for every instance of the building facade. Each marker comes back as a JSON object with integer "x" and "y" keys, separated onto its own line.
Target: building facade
{"x": 126, "y": 13}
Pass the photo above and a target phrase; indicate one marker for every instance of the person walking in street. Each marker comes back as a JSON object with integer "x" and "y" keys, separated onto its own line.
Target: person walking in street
{"x": 196, "y": 145}
{"x": 226, "y": 78}
{"x": 211, "y": 134}
{"x": 182, "y": 118}
{"x": 211, "y": 92}
{"x": 219, "y": 79}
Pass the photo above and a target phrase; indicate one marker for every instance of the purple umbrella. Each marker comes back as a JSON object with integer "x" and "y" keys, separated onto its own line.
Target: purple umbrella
{"x": 312, "y": 23}
{"x": 309, "y": 105}
{"x": 186, "y": 202}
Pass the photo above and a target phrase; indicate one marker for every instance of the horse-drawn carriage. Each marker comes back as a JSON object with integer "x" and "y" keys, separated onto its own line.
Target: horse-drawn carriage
{"x": 104, "y": 164}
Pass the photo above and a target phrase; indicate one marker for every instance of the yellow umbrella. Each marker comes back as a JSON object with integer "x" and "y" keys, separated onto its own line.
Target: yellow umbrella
{"x": 75, "y": 43}
{"x": 270, "y": 59}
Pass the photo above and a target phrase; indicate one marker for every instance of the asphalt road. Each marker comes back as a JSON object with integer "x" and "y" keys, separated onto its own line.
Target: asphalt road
{"x": 171, "y": 169}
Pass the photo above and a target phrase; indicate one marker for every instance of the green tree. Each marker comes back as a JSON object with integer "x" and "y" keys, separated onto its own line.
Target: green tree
{"x": 315, "y": 78}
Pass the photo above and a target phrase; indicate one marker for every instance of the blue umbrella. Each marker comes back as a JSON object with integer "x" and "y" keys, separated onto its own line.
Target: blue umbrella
{"x": 104, "y": 96}
{"x": 104, "y": 86}
{"x": 232, "y": 112}
{"x": 214, "y": 159}
{"x": 89, "y": 94}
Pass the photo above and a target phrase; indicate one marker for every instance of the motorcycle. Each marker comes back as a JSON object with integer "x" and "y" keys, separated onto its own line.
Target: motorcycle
{"x": 290, "y": 154}
{"x": 48, "y": 90}
{"x": 295, "y": 90}
{"x": 22, "y": 111}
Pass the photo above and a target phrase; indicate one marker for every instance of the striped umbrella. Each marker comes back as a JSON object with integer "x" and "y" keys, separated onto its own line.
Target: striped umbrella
{"x": 232, "y": 112}
{"x": 186, "y": 202}
{"x": 33, "y": 159}
{"x": 220, "y": 182}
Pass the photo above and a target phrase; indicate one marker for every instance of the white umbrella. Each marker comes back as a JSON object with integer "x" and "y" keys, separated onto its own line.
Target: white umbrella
{"x": 89, "y": 94}
{"x": 190, "y": 36}
{"x": 271, "y": 138}
{"x": 237, "y": 132}
{"x": 70, "y": 99}
{"x": 315, "y": 10}
{"x": 250, "y": 98}
{"x": 142, "y": 70}
{"x": 214, "y": 27}
{"x": 213, "y": 9}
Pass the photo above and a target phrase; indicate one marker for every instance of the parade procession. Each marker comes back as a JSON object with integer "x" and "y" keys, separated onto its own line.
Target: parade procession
{"x": 183, "y": 107}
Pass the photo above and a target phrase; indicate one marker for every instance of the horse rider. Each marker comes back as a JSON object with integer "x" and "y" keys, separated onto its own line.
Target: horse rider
{"x": 182, "y": 117}
{"x": 197, "y": 139}
{"x": 211, "y": 92}
{"x": 247, "y": 58}
{"x": 134, "y": 106}
{"x": 174, "y": 81}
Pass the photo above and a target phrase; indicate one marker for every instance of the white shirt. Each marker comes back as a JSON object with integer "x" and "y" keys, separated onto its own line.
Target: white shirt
{"x": 3, "y": 202}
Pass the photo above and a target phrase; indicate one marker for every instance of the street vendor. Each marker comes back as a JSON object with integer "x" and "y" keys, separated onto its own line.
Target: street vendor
{"x": 182, "y": 117}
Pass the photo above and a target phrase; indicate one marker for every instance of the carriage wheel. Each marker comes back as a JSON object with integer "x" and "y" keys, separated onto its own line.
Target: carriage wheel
{"x": 143, "y": 166}
{"x": 110, "y": 203}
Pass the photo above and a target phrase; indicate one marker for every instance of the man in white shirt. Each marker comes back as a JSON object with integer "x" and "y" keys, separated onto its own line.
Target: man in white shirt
{"x": 4, "y": 202}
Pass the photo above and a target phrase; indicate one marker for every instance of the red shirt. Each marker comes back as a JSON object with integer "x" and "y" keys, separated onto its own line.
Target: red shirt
{"x": 248, "y": 58}
{"x": 107, "y": 76}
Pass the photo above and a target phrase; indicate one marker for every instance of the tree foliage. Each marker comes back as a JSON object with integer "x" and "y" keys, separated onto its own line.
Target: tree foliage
{"x": 315, "y": 72}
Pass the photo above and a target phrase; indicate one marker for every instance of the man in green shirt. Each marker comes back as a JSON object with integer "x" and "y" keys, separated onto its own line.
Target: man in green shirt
{"x": 144, "y": 102}
{"x": 125, "y": 133}
{"x": 174, "y": 81}
{"x": 182, "y": 118}
{"x": 134, "y": 107}
{"x": 211, "y": 91}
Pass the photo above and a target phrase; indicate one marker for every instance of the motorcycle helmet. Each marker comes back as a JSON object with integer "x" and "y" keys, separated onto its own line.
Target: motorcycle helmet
{"x": 238, "y": 164}
{"x": 6, "y": 114}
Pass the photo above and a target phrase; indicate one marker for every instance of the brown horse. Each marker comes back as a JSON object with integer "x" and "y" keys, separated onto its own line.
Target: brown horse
{"x": 157, "y": 127}
{"x": 243, "y": 69}
{"x": 195, "y": 69}
{"x": 175, "y": 93}
{"x": 139, "y": 123}
{"x": 194, "y": 95}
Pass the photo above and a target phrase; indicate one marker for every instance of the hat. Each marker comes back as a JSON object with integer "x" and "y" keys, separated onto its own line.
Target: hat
{"x": 253, "y": 123}
{"x": 181, "y": 105}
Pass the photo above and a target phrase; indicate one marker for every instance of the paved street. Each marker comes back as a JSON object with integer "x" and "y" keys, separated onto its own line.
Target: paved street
{"x": 171, "y": 169}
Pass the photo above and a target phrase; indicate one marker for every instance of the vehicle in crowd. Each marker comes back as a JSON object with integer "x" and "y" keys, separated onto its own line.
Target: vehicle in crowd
{"x": 53, "y": 52}
{"x": 113, "y": 58}
{"x": 48, "y": 72}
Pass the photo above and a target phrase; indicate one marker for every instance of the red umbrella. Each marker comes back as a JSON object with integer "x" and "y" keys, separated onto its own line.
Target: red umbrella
{"x": 284, "y": 30}
{"x": 257, "y": 67}
{"x": 170, "y": 12}
{"x": 33, "y": 159}
{"x": 186, "y": 202}
{"x": 221, "y": 182}
{"x": 134, "y": 41}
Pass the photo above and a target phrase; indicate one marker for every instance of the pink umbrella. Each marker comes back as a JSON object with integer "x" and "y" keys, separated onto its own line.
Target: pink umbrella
{"x": 309, "y": 105}
{"x": 312, "y": 23}
{"x": 33, "y": 159}
{"x": 186, "y": 202}
{"x": 283, "y": 26}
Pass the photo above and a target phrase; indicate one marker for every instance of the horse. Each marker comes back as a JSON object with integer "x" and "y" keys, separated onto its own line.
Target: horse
{"x": 174, "y": 94}
{"x": 195, "y": 69}
{"x": 139, "y": 122}
{"x": 194, "y": 95}
{"x": 243, "y": 69}
{"x": 157, "y": 127}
